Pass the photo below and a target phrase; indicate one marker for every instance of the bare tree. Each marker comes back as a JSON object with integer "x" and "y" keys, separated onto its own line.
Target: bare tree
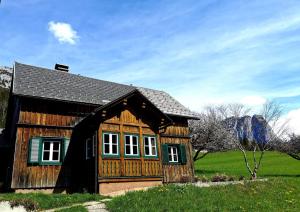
{"x": 291, "y": 146}
{"x": 269, "y": 118}
{"x": 209, "y": 134}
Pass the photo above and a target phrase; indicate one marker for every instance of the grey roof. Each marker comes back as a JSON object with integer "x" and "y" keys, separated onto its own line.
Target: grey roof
{"x": 52, "y": 84}
{"x": 166, "y": 103}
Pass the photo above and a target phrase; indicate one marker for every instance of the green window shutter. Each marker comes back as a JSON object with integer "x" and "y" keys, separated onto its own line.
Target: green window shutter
{"x": 182, "y": 154}
{"x": 66, "y": 145}
{"x": 35, "y": 145}
{"x": 165, "y": 154}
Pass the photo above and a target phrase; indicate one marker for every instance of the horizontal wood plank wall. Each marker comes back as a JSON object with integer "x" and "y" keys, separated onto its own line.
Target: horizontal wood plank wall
{"x": 178, "y": 173}
{"x": 35, "y": 176}
{"x": 127, "y": 122}
{"x": 42, "y": 114}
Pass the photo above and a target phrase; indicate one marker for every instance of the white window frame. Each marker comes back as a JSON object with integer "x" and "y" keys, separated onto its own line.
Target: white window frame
{"x": 150, "y": 146}
{"x": 131, "y": 145}
{"x": 173, "y": 153}
{"x": 110, "y": 144}
{"x": 51, "y": 150}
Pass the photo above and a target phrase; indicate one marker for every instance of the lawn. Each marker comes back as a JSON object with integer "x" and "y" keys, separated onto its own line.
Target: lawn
{"x": 47, "y": 201}
{"x": 274, "y": 164}
{"x": 280, "y": 193}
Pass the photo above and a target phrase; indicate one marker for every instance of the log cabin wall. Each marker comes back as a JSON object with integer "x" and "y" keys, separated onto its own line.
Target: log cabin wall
{"x": 43, "y": 118}
{"x": 178, "y": 134}
{"x": 128, "y": 122}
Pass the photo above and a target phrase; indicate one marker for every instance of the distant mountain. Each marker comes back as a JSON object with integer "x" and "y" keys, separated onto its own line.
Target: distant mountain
{"x": 5, "y": 76}
{"x": 249, "y": 128}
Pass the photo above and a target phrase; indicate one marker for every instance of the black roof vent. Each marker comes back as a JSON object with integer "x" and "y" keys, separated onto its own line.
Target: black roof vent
{"x": 60, "y": 67}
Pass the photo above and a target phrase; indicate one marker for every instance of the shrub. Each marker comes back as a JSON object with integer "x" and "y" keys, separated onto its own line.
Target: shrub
{"x": 28, "y": 204}
{"x": 241, "y": 178}
{"x": 230, "y": 178}
{"x": 219, "y": 178}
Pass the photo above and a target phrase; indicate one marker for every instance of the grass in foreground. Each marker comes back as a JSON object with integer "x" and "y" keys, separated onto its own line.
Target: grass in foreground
{"x": 274, "y": 195}
{"x": 47, "y": 201}
{"x": 280, "y": 193}
{"x": 79, "y": 208}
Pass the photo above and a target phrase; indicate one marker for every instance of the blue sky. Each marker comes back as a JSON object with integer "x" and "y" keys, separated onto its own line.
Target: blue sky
{"x": 201, "y": 52}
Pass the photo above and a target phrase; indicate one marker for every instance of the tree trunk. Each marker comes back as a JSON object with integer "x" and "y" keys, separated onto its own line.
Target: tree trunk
{"x": 195, "y": 158}
{"x": 253, "y": 175}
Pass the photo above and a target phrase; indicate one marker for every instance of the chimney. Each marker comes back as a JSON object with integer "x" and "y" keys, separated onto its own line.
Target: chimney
{"x": 60, "y": 67}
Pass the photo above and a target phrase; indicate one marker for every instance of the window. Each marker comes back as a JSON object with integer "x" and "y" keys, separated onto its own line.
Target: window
{"x": 110, "y": 144}
{"x": 51, "y": 150}
{"x": 150, "y": 149}
{"x": 131, "y": 145}
{"x": 173, "y": 153}
{"x": 88, "y": 148}
{"x": 47, "y": 150}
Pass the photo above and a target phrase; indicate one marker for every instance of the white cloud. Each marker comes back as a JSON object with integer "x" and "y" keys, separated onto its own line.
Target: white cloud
{"x": 253, "y": 100}
{"x": 63, "y": 32}
{"x": 293, "y": 119}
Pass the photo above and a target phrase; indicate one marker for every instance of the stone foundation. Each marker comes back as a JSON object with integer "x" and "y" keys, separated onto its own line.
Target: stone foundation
{"x": 42, "y": 190}
{"x": 115, "y": 188}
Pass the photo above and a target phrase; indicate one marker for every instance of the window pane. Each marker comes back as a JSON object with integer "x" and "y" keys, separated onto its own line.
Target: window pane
{"x": 153, "y": 150}
{"x": 169, "y": 149}
{"x": 127, "y": 149}
{"x": 153, "y": 141}
{"x": 46, "y": 145}
{"x": 175, "y": 150}
{"x": 114, "y": 149}
{"x": 146, "y": 150}
{"x": 55, "y": 145}
{"x": 175, "y": 158}
{"x": 135, "y": 150}
{"x": 106, "y": 138}
{"x": 170, "y": 157}
{"x": 106, "y": 148}
{"x": 55, "y": 156}
{"x": 127, "y": 139}
{"x": 134, "y": 140}
{"x": 114, "y": 139}
{"x": 46, "y": 156}
{"x": 146, "y": 141}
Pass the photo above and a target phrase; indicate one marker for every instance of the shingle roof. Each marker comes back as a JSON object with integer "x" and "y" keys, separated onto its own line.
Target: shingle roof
{"x": 52, "y": 84}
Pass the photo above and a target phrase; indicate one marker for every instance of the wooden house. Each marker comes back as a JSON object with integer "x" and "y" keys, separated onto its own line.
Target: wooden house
{"x": 73, "y": 133}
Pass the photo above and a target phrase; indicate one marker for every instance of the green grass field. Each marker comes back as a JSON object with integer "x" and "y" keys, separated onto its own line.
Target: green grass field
{"x": 274, "y": 164}
{"x": 280, "y": 193}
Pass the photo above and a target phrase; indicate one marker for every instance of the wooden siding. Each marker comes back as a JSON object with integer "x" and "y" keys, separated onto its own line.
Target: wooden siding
{"x": 35, "y": 176}
{"x": 43, "y": 118}
{"x": 128, "y": 122}
{"x": 178, "y": 134}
